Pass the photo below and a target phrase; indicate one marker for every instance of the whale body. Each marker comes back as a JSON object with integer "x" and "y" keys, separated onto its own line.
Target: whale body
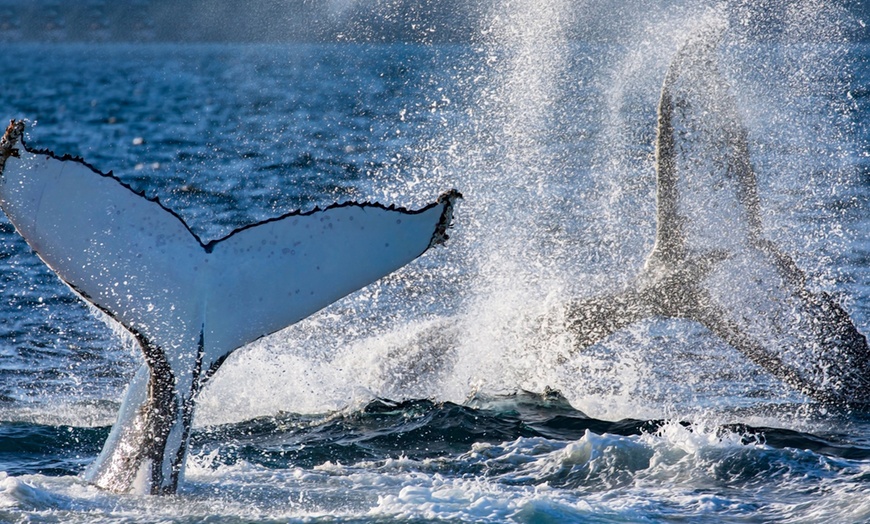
{"x": 190, "y": 303}
{"x": 711, "y": 263}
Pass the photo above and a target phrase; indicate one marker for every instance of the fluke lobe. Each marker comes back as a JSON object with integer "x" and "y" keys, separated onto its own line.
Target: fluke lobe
{"x": 711, "y": 263}
{"x": 191, "y": 303}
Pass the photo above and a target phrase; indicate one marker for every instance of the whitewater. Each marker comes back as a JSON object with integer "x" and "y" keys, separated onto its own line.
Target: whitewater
{"x": 449, "y": 391}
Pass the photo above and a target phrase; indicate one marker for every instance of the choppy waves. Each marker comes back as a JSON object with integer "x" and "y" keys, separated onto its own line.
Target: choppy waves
{"x": 515, "y": 458}
{"x": 551, "y": 141}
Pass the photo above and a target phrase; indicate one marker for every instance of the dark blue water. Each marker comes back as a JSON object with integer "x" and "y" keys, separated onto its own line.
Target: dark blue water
{"x": 409, "y": 400}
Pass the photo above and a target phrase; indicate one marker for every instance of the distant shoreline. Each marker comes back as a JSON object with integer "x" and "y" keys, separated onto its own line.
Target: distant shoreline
{"x": 277, "y": 21}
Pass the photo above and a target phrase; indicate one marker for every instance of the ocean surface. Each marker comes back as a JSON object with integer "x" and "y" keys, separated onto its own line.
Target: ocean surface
{"x": 448, "y": 391}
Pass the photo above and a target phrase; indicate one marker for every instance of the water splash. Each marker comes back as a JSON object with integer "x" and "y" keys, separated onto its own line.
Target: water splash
{"x": 546, "y": 122}
{"x": 550, "y": 139}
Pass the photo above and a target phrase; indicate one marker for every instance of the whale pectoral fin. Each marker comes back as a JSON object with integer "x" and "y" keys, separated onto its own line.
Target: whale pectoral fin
{"x": 276, "y": 273}
{"x": 594, "y": 319}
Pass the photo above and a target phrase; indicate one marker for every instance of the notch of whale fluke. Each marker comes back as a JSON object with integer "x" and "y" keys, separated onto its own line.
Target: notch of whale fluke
{"x": 710, "y": 262}
{"x": 187, "y": 302}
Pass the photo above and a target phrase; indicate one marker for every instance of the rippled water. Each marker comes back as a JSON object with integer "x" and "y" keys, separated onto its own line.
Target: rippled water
{"x": 409, "y": 401}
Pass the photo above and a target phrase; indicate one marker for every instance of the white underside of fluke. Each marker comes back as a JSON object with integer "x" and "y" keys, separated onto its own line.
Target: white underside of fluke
{"x": 190, "y": 303}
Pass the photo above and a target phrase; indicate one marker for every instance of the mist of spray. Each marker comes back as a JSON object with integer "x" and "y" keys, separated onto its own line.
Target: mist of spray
{"x": 553, "y": 150}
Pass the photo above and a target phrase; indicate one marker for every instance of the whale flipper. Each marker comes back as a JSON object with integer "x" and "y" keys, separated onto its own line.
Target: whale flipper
{"x": 710, "y": 262}
{"x": 190, "y": 303}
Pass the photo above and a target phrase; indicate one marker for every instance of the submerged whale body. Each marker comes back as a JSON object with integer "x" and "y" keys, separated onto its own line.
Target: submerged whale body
{"x": 189, "y": 303}
{"x": 710, "y": 262}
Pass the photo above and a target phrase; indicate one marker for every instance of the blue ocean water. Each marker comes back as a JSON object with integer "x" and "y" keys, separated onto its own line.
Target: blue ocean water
{"x": 446, "y": 392}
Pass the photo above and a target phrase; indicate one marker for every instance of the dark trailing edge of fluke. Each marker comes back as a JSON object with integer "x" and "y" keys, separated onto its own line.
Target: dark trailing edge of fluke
{"x": 188, "y": 303}
{"x": 15, "y": 130}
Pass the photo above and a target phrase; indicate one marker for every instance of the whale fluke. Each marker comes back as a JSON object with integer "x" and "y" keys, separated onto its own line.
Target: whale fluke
{"x": 710, "y": 262}
{"x": 191, "y": 303}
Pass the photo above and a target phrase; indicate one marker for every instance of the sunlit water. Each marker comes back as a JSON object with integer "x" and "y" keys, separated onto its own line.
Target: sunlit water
{"x": 408, "y": 400}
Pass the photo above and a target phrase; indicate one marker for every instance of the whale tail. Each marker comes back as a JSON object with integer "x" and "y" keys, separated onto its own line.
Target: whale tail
{"x": 710, "y": 262}
{"x": 191, "y": 303}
